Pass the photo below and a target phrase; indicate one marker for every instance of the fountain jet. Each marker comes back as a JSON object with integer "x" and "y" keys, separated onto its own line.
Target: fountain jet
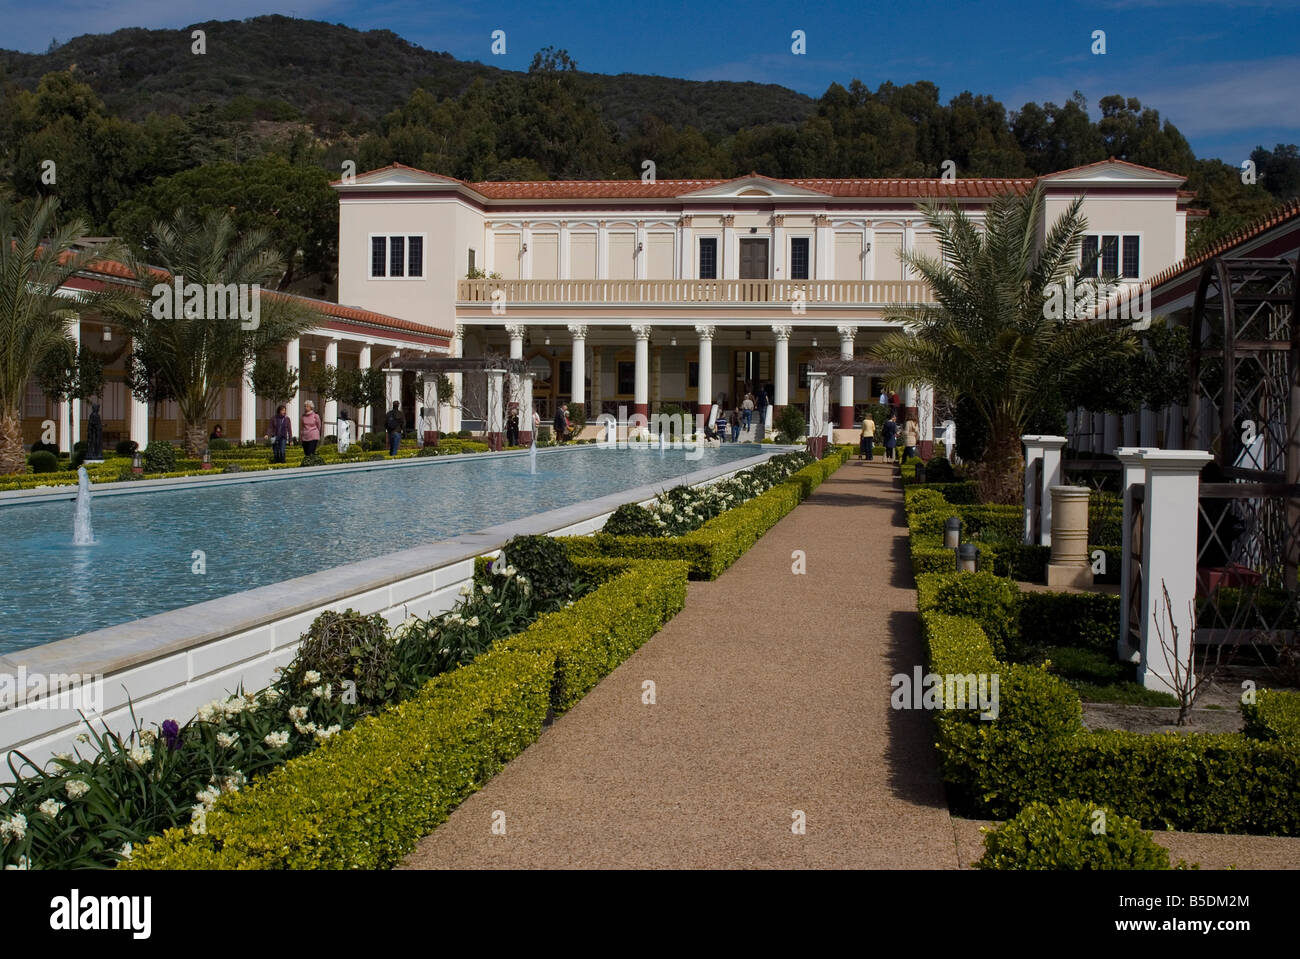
{"x": 82, "y": 532}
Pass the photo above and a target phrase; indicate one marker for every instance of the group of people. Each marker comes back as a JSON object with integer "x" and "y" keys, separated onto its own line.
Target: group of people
{"x": 281, "y": 430}
{"x": 890, "y": 435}
{"x": 742, "y": 417}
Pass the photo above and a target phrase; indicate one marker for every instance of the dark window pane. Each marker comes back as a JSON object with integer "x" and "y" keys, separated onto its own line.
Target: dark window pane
{"x": 709, "y": 258}
{"x": 566, "y": 377}
{"x": 471, "y": 262}
{"x": 377, "y": 250}
{"x": 799, "y": 258}
{"x": 1110, "y": 256}
{"x": 415, "y": 256}
{"x": 1131, "y": 257}
{"x": 804, "y": 369}
{"x": 1090, "y": 262}
{"x": 626, "y": 377}
{"x": 396, "y": 255}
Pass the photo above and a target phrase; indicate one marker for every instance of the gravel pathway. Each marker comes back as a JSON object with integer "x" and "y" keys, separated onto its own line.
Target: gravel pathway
{"x": 771, "y": 701}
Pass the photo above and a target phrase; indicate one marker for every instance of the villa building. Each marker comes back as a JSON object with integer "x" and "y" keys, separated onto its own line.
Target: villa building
{"x": 637, "y": 294}
{"x": 634, "y": 294}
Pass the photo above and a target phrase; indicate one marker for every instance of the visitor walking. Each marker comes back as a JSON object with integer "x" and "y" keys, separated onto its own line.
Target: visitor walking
{"x": 867, "y": 442}
{"x": 762, "y": 404}
{"x": 748, "y": 407}
{"x": 735, "y": 426}
{"x": 310, "y": 433}
{"x": 393, "y": 425}
{"x": 910, "y": 430}
{"x": 217, "y": 433}
{"x": 281, "y": 432}
{"x": 889, "y": 433}
{"x": 537, "y": 424}
{"x": 344, "y": 431}
{"x": 884, "y": 396}
{"x": 560, "y": 424}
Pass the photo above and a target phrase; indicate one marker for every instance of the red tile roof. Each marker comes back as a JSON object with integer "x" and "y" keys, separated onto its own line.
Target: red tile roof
{"x": 1278, "y": 215}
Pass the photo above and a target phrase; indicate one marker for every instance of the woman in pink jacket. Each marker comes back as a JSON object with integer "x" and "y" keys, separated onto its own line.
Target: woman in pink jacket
{"x": 311, "y": 426}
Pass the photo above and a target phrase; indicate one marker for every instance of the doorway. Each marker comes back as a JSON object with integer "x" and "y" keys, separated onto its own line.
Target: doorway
{"x": 753, "y": 258}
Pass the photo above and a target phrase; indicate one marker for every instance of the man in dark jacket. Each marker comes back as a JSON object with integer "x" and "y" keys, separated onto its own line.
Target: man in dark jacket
{"x": 561, "y": 421}
{"x": 394, "y": 422}
{"x": 889, "y": 434}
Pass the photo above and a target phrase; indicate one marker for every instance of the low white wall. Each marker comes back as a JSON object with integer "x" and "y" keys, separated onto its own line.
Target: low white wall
{"x": 167, "y": 666}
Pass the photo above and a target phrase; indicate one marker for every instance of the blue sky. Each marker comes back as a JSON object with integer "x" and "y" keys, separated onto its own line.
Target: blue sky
{"x": 1225, "y": 72}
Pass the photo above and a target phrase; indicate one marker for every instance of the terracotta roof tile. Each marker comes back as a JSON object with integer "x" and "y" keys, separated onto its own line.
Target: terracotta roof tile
{"x": 1278, "y": 215}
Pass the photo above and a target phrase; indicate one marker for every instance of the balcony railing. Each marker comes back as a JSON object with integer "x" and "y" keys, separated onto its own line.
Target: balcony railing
{"x": 813, "y": 292}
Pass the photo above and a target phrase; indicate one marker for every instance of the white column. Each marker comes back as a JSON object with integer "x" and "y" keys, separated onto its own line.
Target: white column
{"x": 641, "y": 398}
{"x": 331, "y": 423}
{"x": 730, "y": 250}
{"x": 781, "y": 368}
{"x": 779, "y": 269}
{"x": 451, "y": 423}
{"x": 925, "y": 422}
{"x": 1133, "y": 473}
{"x": 526, "y": 408}
{"x": 578, "y": 393}
{"x": 247, "y": 406}
{"x": 816, "y": 404}
{"x": 292, "y": 359}
{"x": 139, "y": 422}
{"x": 495, "y": 424}
{"x": 847, "y": 333}
{"x": 363, "y": 416}
{"x": 823, "y": 244}
{"x": 74, "y": 327}
{"x": 517, "y": 332}
{"x": 1169, "y": 531}
{"x": 1047, "y": 451}
{"x": 704, "y": 395}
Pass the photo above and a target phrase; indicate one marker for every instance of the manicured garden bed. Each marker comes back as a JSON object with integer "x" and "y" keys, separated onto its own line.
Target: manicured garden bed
{"x": 1038, "y": 750}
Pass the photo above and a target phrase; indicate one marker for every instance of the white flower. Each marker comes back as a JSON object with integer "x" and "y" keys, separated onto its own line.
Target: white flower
{"x": 209, "y": 712}
{"x": 310, "y": 678}
{"x": 15, "y": 827}
{"x": 325, "y": 692}
{"x": 226, "y": 740}
{"x": 51, "y": 807}
{"x": 199, "y": 821}
{"x": 472, "y": 622}
{"x": 140, "y": 754}
{"x": 465, "y": 590}
{"x": 509, "y": 572}
{"x": 148, "y": 737}
{"x": 23, "y": 863}
{"x": 277, "y": 740}
{"x": 496, "y": 605}
{"x": 75, "y": 788}
{"x": 270, "y": 695}
{"x": 126, "y": 850}
{"x": 327, "y": 732}
{"x": 487, "y": 590}
{"x": 232, "y": 783}
{"x": 305, "y": 729}
{"x": 297, "y": 713}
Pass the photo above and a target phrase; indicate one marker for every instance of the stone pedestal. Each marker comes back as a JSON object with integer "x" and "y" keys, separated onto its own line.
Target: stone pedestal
{"x": 1069, "y": 565}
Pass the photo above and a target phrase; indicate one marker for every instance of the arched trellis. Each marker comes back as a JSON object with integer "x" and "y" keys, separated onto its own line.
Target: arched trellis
{"x": 1244, "y": 406}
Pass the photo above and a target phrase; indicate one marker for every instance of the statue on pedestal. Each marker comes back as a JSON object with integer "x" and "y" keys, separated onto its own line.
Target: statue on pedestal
{"x": 95, "y": 436}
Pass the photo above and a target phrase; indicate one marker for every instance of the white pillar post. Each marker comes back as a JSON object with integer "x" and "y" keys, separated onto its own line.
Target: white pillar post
{"x": 781, "y": 369}
{"x": 1133, "y": 474}
{"x": 526, "y": 408}
{"x": 1046, "y": 450}
{"x": 495, "y": 425}
{"x": 704, "y": 397}
{"x": 74, "y": 328}
{"x": 847, "y": 333}
{"x": 451, "y": 413}
{"x": 331, "y": 423}
{"x": 363, "y": 416}
{"x": 578, "y": 392}
{"x": 1170, "y": 516}
{"x": 139, "y": 422}
{"x": 292, "y": 359}
{"x": 925, "y": 423}
{"x": 247, "y": 406}
{"x": 517, "y": 332}
{"x": 816, "y": 404}
{"x": 641, "y": 396}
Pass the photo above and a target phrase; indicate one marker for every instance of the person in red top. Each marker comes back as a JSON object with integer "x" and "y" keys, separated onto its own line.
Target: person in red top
{"x": 311, "y": 426}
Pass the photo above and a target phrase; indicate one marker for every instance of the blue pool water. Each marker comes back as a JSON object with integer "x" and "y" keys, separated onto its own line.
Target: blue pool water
{"x": 259, "y": 533}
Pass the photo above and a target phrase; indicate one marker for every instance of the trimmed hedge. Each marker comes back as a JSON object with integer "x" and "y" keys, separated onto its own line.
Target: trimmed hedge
{"x": 1061, "y": 836}
{"x": 366, "y": 796}
{"x": 1037, "y": 750}
{"x": 722, "y": 540}
{"x": 1274, "y": 716}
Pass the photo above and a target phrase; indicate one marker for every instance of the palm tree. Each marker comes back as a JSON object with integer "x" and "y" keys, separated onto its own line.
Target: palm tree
{"x": 198, "y": 355}
{"x": 989, "y": 339}
{"x": 37, "y": 260}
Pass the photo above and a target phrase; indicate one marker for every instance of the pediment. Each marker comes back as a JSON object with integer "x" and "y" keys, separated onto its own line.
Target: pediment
{"x": 755, "y": 186}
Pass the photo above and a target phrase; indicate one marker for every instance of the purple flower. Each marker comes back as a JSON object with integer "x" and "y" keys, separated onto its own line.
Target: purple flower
{"x": 171, "y": 734}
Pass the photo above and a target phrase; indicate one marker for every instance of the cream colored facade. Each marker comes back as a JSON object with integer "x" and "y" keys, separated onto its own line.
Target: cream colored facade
{"x": 732, "y": 285}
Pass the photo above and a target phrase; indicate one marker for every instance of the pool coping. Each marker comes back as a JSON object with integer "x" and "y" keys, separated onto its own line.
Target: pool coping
{"x": 139, "y": 641}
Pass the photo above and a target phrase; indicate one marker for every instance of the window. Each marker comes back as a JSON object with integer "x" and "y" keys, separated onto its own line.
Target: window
{"x": 804, "y": 369}
{"x": 799, "y": 258}
{"x": 472, "y": 255}
{"x": 1113, "y": 254}
{"x": 626, "y": 378}
{"x": 709, "y": 258}
{"x": 397, "y": 256}
{"x": 693, "y": 374}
